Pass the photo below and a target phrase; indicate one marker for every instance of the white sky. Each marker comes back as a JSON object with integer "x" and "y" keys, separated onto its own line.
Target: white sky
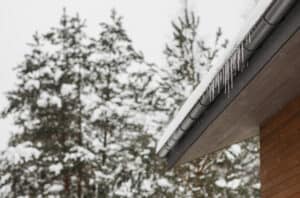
{"x": 147, "y": 22}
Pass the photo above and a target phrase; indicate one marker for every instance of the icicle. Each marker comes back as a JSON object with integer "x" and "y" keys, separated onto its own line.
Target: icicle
{"x": 218, "y": 82}
{"x": 237, "y": 61}
{"x": 226, "y": 77}
{"x": 250, "y": 36}
{"x": 248, "y": 39}
{"x": 237, "y": 57}
{"x": 235, "y": 65}
{"x": 227, "y": 74}
{"x": 220, "y": 78}
{"x": 209, "y": 89}
{"x": 212, "y": 93}
{"x": 213, "y": 88}
{"x": 242, "y": 53}
{"x": 223, "y": 79}
{"x": 231, "y": 74}
{"x": 233, "y": 62}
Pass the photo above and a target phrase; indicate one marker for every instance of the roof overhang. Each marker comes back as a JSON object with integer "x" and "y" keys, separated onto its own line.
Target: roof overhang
{"x": 266, "y": 85}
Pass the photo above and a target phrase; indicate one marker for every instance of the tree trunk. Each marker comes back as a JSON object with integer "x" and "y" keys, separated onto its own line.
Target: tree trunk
{"x": 67, "y": 184}
{"x": 104, "y": 145}
{"x": 79, "y": 188}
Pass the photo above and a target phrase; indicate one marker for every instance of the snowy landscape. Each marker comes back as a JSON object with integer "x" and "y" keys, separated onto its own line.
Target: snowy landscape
{"x": 88, "y": 90}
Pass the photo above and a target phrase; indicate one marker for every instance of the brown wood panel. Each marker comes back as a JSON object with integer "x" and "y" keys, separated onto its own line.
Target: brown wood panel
{"x": 280, "y": 153}
{"x": 271, "y": 141}
{"x": 283, "y": 116}
{"x": 275, "y": 181}
{"x": 286, "y": 189}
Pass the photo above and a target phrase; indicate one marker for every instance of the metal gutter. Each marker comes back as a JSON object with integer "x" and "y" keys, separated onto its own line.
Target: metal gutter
{"x": 222, "y": 82}
{"x": 262, "y": 56}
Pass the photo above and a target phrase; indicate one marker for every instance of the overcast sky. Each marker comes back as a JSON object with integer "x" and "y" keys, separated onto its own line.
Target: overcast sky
{"x": 147, "y": 23}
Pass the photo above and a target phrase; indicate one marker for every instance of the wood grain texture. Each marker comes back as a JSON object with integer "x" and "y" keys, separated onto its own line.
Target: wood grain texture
{"x": 280, "y": 153}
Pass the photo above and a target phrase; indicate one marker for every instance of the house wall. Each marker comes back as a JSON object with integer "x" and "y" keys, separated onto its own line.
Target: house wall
{"x": 280, "y": 153}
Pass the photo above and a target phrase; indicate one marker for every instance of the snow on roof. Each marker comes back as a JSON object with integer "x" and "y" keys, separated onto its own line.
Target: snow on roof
{"x": 260, "y": 8}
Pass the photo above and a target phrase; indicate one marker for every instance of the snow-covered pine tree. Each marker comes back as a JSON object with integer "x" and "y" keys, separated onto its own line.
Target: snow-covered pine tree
{"x": 111, "y": 120}
{"x": 120, "y": 122}
{"x": 82, "y": 107}
{"x": 188, "y": 59}
{"x": 50, "y": 152}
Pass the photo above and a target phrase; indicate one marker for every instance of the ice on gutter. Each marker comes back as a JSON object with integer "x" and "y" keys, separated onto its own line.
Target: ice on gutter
{"x": 222, "y": 73}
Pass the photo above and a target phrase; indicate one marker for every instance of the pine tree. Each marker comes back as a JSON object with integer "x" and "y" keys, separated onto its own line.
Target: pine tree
{"x": 125, "y": 84}
{"x": 113, "y": 110}
{"x": 48, "y": 109}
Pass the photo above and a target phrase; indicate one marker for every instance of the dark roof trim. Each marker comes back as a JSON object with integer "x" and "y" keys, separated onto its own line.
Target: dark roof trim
{"x": 283, "y": 31}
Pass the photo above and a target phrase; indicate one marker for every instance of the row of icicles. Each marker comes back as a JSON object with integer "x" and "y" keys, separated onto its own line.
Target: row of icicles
{"x": 225, "y": 77}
